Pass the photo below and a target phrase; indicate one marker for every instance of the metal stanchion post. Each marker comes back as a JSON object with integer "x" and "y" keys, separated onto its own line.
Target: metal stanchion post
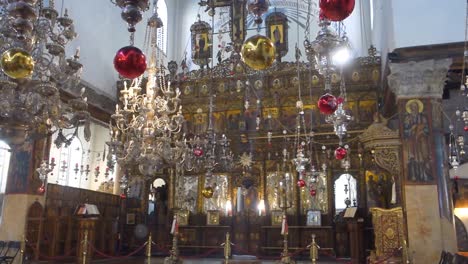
{"x": 22, "y": 248}
{"x": 313, "y": 250}
{"x": 227, "y": 248}
{"x": 85, "y": 246}
{"x": 148, "y": 249}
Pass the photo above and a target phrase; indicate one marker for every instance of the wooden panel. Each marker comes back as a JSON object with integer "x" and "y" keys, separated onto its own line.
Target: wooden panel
{"x": 58, "y": 236}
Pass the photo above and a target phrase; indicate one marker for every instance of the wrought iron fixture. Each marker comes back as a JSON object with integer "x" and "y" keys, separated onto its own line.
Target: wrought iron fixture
{"x": 148, "y": 121}
{"x": 211, "y": 151}
{"x": 34, "y": 69}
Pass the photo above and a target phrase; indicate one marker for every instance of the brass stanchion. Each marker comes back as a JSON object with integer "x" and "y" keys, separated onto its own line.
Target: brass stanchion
{"x": 285, "y": 258}
{"x": 148, "y": 248}
{"x": 85, "y": 246}
{"x": 313, "y": 250}
{"x": 227, "y": 247}
{"x": 22, "y": 248}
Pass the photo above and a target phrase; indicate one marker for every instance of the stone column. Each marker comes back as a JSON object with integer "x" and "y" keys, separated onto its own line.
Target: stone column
{"x": 21, "y": 189}
{"x": 429, "y": 212}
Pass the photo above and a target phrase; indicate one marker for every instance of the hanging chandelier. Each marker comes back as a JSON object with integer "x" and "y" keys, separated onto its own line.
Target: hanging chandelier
{"x": 34, "y": 68}
{"x": 210, "y": 151}
{"x": 148, "y": 120}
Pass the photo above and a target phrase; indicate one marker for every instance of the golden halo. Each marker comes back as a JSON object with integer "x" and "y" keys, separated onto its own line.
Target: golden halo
{"x": 418, "y": 102}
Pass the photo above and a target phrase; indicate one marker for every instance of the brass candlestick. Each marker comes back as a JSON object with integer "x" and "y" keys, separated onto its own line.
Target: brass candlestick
{"x": 285, "y": 206}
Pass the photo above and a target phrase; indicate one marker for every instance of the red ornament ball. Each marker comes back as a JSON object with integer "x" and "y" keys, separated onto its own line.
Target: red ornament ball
{"x": 313, "y": 192}
{"x": 41, "y": 190}
{"x": 465, "y": 128}
{"x": 198, "y": 152}
{"x": 123, "y": 196}
{"x": 327, "y": 104}
{"x": 130, "y": 62}
{"x": 340, "y": 153}
{"x": 336, "y": 10}
{"x": 301, "y": 183}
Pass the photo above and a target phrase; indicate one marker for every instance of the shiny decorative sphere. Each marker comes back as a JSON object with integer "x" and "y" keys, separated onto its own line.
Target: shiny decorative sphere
{"x": 198, "y": 152}
{"x": 130, "y": 62}
{"x": 123, "y": 196}
{"x": 301, "y": 183}
{"x": 465, "y": 128}
{"x": 336, "y": 10}
{"x": 258, "y": 8}
{"x": 207, "y": 192}
{"x": 340, "y": 153}
{"x": 313, "y": 192}
{"x": 327, "y": 104}
{"x": 17, "y": 63}
{"x": 258, "y": 52}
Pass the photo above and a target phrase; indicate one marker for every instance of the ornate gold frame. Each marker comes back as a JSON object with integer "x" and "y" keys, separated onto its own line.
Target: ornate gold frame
{"x": 212, "y": 217}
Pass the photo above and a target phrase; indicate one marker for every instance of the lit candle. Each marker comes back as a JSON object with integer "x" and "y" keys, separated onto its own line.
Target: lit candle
{"x": 239, "y": 199}
{"x": 261, "y": 207}
{"x": 228, "y": 208}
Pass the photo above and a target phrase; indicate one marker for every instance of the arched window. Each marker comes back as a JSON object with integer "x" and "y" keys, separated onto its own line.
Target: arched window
{"x": 68, "y": 158}
{"x": 345, "y": 190}
{"x": 4, "y": 164}
{"x": 162, "y": 13}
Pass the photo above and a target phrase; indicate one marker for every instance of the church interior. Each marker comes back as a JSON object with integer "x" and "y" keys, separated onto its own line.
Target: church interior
{"x": 233, "y": 131}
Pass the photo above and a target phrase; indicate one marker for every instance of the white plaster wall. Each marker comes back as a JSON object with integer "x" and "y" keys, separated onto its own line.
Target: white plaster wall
{"x": 99, "y": 137}
{"x": 424, "y": 22}
{"x": 187, "y": 11}
{"x": 101, "y": 33}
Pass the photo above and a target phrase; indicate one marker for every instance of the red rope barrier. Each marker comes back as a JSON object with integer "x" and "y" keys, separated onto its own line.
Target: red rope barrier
{"x": 102, "y": 254}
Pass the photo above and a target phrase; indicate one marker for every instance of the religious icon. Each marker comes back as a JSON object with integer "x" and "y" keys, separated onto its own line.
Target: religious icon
{"x": 416, "y": 142}
{"x": 277, "y": 31}
{"x": 202, "y": 43}
{"x": 313, "y": 218}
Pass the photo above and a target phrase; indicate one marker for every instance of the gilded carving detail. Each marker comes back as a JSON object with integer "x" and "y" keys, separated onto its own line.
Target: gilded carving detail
{"x": 388, "y": 159}
{"x": 388, "y": 230}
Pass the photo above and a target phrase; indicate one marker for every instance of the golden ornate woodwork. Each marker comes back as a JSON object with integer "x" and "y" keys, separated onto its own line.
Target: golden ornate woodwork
{"x": 390, "y": 235}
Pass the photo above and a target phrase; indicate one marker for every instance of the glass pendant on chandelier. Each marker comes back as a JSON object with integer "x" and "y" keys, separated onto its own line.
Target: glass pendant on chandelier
{"x": 209, "y": 151}
{"x": 34, "y": 69}
{"x": 147, "y": 125}
{"x": 330, "y": 50}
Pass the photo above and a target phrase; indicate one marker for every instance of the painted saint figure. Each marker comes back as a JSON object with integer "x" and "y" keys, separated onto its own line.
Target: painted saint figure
{"x": 416, "y": 134}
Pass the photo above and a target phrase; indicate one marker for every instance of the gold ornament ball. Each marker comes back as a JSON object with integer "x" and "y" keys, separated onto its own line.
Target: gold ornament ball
{"x": 17, "y": 63}
{"x": 258, "y": 52}
{"x": 207, "y": 192}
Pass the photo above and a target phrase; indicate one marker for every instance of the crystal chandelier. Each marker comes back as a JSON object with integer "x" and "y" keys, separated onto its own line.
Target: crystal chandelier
{"x": 148, "y": 121}
{"x": 209, "y": 151}
{"x": 34, "y": 69}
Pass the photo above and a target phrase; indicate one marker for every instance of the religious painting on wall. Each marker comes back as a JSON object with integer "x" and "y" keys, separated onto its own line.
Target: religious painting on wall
{"x": 219, "y": 185}
{"x": 188, "y": 186}
{"x": 417, "y": 141}
{"x": 277, "y": 31}
{"x": 20, "y": 169}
